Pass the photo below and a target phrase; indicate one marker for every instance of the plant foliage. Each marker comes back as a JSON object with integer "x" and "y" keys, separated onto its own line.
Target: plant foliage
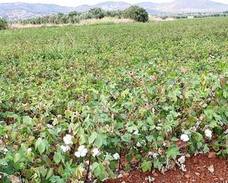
{"x": 75, "y": 101}
{"x": 3, "y": 24}
{"x": 136, "y": 13}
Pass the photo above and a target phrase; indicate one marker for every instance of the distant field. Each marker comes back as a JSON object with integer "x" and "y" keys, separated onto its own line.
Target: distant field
{"x": 125, "y": 89}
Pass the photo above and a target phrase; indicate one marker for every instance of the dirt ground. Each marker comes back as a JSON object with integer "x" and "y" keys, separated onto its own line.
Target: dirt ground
{"x": 200, "y": 169}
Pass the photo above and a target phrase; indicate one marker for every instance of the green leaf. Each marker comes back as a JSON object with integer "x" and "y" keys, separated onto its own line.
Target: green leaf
{"x": 100, "y": 140}
{"x": 41, "y": 145}
{"x": 146, "y": 166}
{"x": 50, "y": 173}
{"x": 18, "y": 156}
{"x": 173, "y": 152}
{"x": 57, "y": 157}
{"x": 126, "y": 137}
{"x": 157, "y": 164}
{"x": 92, "y": 137}
{"x": 99, "y": 171}
{"x": 28, "y": 121}
{"x": 56, "y": 179}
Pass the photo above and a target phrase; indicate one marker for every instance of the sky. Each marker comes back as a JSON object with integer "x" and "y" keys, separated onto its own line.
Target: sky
{"x": 90, "y": 2}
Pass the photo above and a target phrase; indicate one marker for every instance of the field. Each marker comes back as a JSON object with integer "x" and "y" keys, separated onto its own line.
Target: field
{"x": 77, "y": 100}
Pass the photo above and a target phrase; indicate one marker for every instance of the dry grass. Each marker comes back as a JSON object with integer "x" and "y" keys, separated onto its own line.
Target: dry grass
{"x": 105, "y": 20}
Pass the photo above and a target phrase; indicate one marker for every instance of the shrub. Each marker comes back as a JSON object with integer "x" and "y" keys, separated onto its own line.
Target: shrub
{"x": 136, "y": 13}
{"x": 97, "y": 13}
{"x": 3, "y": 24}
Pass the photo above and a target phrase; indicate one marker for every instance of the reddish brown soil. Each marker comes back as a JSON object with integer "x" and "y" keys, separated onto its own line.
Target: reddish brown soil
{"x": 197, "y": 172}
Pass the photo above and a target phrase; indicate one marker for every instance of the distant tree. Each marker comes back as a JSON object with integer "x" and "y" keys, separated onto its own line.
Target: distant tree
{"x": 136, "y": 13}
{"x": 114, "y": 13}
{"x": 73, "y": 17}
{"x": 97, "y": 13}
{"x": 3, "y": 24}
{"x": 73, "y": 13}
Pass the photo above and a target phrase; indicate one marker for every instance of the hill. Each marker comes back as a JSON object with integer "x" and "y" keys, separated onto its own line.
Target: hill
{"x": 14, "y": 11}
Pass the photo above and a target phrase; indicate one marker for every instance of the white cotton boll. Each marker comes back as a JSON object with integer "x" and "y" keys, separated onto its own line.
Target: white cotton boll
{"x": 5, "y": 150}
{"x": 68, "y": 139}
{"x": 116, "y": 156}
{"x": 136, "y": 132}
{"x": 82, "y": 151}
{"x": 181, "y": 160}
{"x": 208, "y": 133}
{"x": 49, "y": 126}
{"x": 95, "y": 152}
{"x": 183, "y": 168}
{"x": 153, "y": 154}
{"x": 138, "y": 144}
{"x": 77, "y": 154}
{"x": 184, "y": 137}
{"x": 29, "y": 150}
{"x": 65, "y": 148}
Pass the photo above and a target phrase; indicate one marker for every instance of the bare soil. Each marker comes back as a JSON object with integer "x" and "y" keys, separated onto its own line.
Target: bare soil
{"x": 200, "y": 169}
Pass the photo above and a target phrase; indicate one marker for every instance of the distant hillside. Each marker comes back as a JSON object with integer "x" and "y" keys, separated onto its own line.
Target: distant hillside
{"x": 14, "y": 11}
{"x": 113, "y": 5}
{"x": 152, "y": 8}
{"x": 193, "y": 6}
{"x": 108, "y": 5}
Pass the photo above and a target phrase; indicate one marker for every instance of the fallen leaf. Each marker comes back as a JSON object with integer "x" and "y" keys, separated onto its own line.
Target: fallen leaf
{"x": 211, "y": 169}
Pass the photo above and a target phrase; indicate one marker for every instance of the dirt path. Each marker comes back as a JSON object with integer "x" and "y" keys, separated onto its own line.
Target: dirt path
{"x": 200, "y": 169}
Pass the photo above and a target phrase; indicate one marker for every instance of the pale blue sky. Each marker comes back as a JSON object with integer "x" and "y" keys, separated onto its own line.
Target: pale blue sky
{"x": 79, "y": 2}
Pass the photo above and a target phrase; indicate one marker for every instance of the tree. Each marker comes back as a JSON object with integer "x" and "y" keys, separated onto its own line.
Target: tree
{"x": 136, "y": 13}
{"x": 3, "y": 24}
{"x": 97, "y": 13}
{"x": 73, "y": 17}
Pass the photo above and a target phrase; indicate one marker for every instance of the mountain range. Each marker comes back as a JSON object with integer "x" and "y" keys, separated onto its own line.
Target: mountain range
{"x": 15, "y": 11}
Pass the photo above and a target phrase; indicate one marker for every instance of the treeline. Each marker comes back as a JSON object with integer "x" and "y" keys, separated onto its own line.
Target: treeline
{"x": 3, "y": 24}
{"x": 134, "y": 12}
{"x": 197, "y": 15}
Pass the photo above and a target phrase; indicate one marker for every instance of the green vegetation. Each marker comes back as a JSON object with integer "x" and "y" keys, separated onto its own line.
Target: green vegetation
{"x": 78, "y": 97}
{"x": 97, "y": 13}
{"x": 136, "y": 13}
{"x": 3, "y": 24}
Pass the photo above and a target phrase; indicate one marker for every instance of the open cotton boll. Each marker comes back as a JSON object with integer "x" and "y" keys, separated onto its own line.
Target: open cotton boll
{"x": 181, "y": 160}
{"x": 67, "y": 139}
{"x": 95, "y": 152}
{"x": 208, "y": 133}
{"x": 184, "y": 137}
{"x": 82, "y": 151}
{"x": 65, "y": 148}
{"x": 116, "y": 156}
